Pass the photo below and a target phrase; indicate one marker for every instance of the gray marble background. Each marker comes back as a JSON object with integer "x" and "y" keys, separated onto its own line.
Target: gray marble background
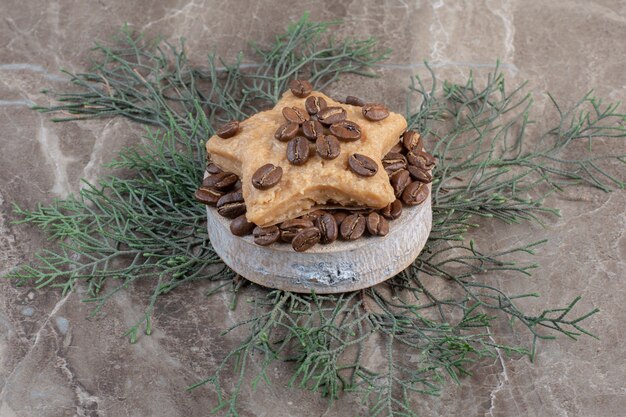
{"x": 57, "y": 361}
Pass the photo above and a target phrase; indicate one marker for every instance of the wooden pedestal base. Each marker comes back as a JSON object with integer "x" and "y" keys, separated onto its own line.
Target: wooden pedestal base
{"x": 339, "y": 267}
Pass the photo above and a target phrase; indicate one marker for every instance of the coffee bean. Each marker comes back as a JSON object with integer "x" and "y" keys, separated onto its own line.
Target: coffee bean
{"x": 265, "y": 236}
{"x": 314, "y": 104}
{"x": 346, "y": 130}
{"x": 287, "y": 132}
{"x": 228, "y": 130}
{"x": 354, "y": 101}
{"x": 312, "y": 129}
{"x": 353, "y": 227}
{"x": 220, "y": 181}
{"x": 393, "y": 162}
{"x": 397, "y": 148}
{"x": 420, "y": 174}
{"x": 300, "y": 88}
{"x": 339, "y": 217}
{"x": 331, "y": 115}
{"x": 306, "y": 239}
{"x": 207, "y": 195}
{"x": 213, "y": 169}
{"x": 411, "y": 140}
{"x": 399, "y": 181}
{"x": 421, "y": 159}
{"x": 377, "y": 225}
{"x": 267, "y": 176}
{"x": 290, "y": 228}
{"x": 392, "y": 169}
{"x": 240, "y": 226}
{"x": 327, "y": 226}
{"x": 392, "y": 210}
{"x": 393, "y": 157}
{"x": 415, "y": 193}
{"x": 295, "y": 115}
{"x": 375, "y": 112}
{"x": 298, "y": 150}
{"x": 231, "y": 205}
{"x": 327, "y": 147}
{"x": 362, "y": 165}
{"x": 393, "y": 165}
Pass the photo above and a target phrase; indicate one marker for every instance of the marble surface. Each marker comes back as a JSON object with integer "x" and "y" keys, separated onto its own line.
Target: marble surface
{"x": 56, "y": 360}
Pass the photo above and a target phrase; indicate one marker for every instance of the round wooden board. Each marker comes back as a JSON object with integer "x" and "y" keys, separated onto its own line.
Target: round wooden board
{"x": 339, "y": 267}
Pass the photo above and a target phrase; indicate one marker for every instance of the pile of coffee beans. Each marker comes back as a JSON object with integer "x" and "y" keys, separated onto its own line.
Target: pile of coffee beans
{"x": 326, "y": 126}
{"x": 407, "y": 165}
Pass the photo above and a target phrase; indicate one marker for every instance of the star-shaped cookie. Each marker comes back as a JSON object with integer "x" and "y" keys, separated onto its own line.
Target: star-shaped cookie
{"x": 318, "y": 181}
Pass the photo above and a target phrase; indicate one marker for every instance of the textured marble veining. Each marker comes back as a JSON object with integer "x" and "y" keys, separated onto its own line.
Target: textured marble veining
{"x": 56, "y": 360}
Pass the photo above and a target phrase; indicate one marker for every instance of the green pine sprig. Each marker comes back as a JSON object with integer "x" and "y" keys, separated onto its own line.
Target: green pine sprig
{"x": 433, "y": 320}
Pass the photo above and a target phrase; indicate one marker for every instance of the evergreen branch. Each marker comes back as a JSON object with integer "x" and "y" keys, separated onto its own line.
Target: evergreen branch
{"x": 151, "y": 82}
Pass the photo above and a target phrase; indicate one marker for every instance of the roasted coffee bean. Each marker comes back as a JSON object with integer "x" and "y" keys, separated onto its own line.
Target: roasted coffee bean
{"x": 392, "y": 169}
{"x": 421, "y": 159}
{"x": 339, "y": 217}
{"x": 240, "y": 226}
{"x": 312, "y": 129}
{"x": 267, "y": 176}
{"x": 346, "y": 130}
{"x": 394, "y": 162}
{"x": 211, "y": 168}
{"x": 295, "y": 115}
{"x": 420, "y": 174}
{"x": 265, "y": 236}
{"x": 300, "y": 88}
{"x": 287, "y": 132}
{"x": 220, "y": 181}
{"x": 327, "y": 147}
{"x": 415, "y": 193}
{"x": 238, "y": 186}
{"x": 354, "y": 101}
{"x": 306, "y": 239}
{"x": 377, "y": 225}
{"x": 331, "y": 115}
{"x": 298, "y": 150}
{"x": 397, "y": 148}
{"x": 375, "y": 112}
{"x": 362, "y": 165}
{"x": 290, "y": 228}
{"x": 392, "y": 210}
{"x": 429, "y": 159}
{"x": 228, "y": 130}
{"x": 352, "y": 227}
{"x": 394, "y": 158}
{"x": 314, "y": 104}
{"x": 327, "y": 225}
{"x": 399, "y": 181}
{"x": 207, "y": 195}
{"x": 231, "y": 205}
{"x": 411, "y": 140}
